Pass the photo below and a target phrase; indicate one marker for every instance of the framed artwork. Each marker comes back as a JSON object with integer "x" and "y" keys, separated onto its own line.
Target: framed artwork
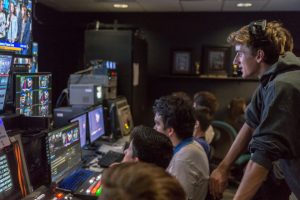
{"x": 181, "y": 62}
{"x": 215, "y": 60}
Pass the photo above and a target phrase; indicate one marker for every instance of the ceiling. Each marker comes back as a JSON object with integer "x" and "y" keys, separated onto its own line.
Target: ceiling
{"x": 171, "y": 5}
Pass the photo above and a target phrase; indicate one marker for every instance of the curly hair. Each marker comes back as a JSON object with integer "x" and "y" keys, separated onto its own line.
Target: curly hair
{"x": 279, "y": 40}
{"x": 151, "y": 146}
{"x": 176, "y": 113}
{"x": 139, "y": 181}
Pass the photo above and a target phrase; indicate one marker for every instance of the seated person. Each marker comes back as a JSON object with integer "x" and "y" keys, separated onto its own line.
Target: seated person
{"x": 203, "y": 121}
{"x": 207, "y": 100}
{"x": 136, "y": 181}
{"x": 174, "y": 118}
{"x": 236, "y": 112}
{"x": 149, "y": 146}
{"x": 183, "y": 95}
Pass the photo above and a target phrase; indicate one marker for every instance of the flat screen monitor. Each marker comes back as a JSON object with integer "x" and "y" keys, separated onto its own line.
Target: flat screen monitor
{"x": 5, "y": 65}
{"x": 64, "y": 151}
{"x": 16, "y": 26}
{"x": 9, "y": 184}
{"x": 96, "y": 123}
{"x": 82, "y": 128}
{"x": 12, "y": 174}
{"x": 33, "y": 94}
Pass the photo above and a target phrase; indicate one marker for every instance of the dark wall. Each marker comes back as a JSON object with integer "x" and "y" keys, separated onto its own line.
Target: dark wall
{"x": 61, "y": 43}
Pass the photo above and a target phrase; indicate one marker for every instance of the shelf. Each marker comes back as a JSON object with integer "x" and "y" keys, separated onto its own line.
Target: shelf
{"x": 203, "y": 77}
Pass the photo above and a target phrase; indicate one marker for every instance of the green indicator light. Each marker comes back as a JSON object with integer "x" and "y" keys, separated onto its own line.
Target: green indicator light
{"x": 98, "y": 192}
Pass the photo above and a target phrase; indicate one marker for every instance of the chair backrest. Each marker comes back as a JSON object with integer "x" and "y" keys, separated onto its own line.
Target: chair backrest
{"x": 223, "y": 139}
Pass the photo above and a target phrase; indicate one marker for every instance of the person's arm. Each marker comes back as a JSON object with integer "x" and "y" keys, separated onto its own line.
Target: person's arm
{"x": 219, "y": 176}
{"x": 253, "y": 178}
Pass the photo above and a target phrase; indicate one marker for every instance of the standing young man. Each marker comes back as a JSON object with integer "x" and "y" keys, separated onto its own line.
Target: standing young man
{"x": 174, "y": 118}
{"x": 273, "y": 116}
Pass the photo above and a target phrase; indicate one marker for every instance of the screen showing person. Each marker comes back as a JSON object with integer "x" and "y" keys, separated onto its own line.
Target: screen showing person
{"x": 33, "y": 94}
{"x": 43, "y": 102}
{"x": 16, "y": 26}
{"x": 64, "y": 150}
{"x": 24, "y": 96}
{"x": 5, "y": 65}
{"x": 96, "y": 123}
{"x": 82, "y": 128}
{"x": 44, "y": 95}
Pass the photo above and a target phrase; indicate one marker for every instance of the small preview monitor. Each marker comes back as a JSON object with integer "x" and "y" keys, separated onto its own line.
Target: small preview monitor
{"x": 33, "y": 93}
{"x": 96, "y": 123}
{"x": 64, "y": 151}
{"x": 5, "y": 65}
{"x": 82, "y": 128}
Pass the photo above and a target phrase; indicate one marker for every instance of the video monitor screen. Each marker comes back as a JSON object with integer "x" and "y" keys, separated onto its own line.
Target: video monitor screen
{"x": 16, "y": 26}
{"x": 5, "y": 65}
{"x": 96, "y": 123}
{"x": 64, "y": 151}
{"x": 10, "y": 185}
{"x": 82, "y": 128}
{"x": 33, "y": 94}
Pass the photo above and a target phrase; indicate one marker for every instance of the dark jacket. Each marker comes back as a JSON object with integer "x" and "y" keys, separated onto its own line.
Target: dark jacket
{"x": 274, "y": 113}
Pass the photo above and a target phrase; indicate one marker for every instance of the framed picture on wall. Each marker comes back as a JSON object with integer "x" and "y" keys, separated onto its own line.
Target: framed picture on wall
{"x": 215, "y": 60}
{"x": 181, "y": 62}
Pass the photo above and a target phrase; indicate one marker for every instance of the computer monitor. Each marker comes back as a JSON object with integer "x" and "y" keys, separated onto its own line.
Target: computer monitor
{"x": 82, "y": 128}
{"x": 96, "y": 123}
{"x": 33, "y": 93}
{"x": 64, "y": 151}
{"x": 14, "y": 183}
{"x": 12, "y": 39}
{"x": 5, "y": 65}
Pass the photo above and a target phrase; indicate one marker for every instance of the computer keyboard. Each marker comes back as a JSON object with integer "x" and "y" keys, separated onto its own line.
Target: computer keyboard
{"x": 75, "y": 180}
{"x": 110, "y": 157}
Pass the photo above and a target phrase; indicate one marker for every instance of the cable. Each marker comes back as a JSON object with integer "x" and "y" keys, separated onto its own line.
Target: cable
{"x": 61, "y": 97}
{"x": 20, "y": 169}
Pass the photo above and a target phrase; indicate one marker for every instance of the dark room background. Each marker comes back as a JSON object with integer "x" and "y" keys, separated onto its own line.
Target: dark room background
{"x": 60, "y": 37}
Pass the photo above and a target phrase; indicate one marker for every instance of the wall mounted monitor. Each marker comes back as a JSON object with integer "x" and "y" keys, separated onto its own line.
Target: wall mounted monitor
{"x": 32, "y": 94}
{"x": 64, "y": 151}
{"x": 16, "y": 26}
{"x": 5, "y": 65}
{"x": 96, "y": 123}
{"x": 82, "y": 128}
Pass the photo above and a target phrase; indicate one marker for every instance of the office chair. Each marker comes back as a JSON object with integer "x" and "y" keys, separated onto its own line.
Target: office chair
{"x": 224, "y": 137}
